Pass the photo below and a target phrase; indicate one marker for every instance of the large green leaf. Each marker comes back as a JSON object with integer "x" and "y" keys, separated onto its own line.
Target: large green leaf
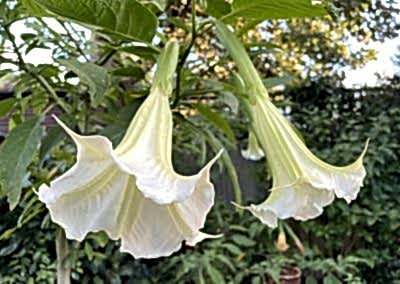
{"x": 96, "y": 77}
{"x": 256, "y": 11}
{"x": 127, "y": 19}
{"x": 16, "y": 153}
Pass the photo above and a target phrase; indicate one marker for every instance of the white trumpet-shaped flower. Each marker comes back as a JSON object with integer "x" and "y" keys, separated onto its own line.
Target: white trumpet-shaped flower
{"x": 253, "y": 151}
{"x": 132, "y": 192}
{"x": 302, "y": 183}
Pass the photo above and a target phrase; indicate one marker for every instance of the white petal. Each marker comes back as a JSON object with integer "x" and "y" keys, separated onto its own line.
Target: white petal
{"x": 89, "y": 208}
{"x": 300, "y": 201}
{"x": 93, "y": 160}
{"x": 253, "y": 151}
{"x": 146, "y": 149}
{"x": 158, "y": 230}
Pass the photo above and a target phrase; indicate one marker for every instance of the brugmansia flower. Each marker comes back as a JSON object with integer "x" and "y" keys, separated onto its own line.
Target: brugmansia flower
{"x": 253, "y": 151}
{"x": 132, "y": 192}
{"x": 302, "y": 183}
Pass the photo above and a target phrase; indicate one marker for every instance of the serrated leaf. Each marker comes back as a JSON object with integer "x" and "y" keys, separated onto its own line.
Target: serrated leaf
{"x": 6, "y": 106}
{"x": 96, "y": 77}
{"x": 256, "y": 11}
{"x": 16, "y": 153}
{"x": 126, "y": 19}
{"x": 217, "y": 120}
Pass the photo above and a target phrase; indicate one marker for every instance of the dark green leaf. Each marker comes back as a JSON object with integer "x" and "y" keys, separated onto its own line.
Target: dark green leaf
{"x": 126, "y": 19}
{"x": 217, "y": 120}
{"x": 142, "y": 51}
{"x": 53, "y": 137}
{"x": 129, "y": 71}
{"x": 116, "y": 130}
{"x": 16, "y": 153}
{"x": 94, "y": 76}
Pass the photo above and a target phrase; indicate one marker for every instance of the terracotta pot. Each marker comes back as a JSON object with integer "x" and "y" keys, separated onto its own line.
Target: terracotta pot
{"x": 290, "y": 275}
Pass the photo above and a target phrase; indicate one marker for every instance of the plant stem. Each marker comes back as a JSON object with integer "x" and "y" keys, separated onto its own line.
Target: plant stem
{"x": 63, "y": 273}
{"x": 71, "y": 37}
{"x": 185, "y": 55}
{"x": 40, "y": 79}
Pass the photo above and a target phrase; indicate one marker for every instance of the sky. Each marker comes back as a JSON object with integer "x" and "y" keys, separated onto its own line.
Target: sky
{"x": 365, "y": 76}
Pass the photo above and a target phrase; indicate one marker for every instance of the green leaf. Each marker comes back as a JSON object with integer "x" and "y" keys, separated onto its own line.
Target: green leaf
{"x": 215, "y": 275}
{"x": 256, "y": 11}
{"x": 94, "y": 76}
{"x": 331, "y": 279}
{"x": 141, "y": 51}
{"x": 6, "y": 106}
{"x": 232, "y": 249}
{"x": 33, "y": 8}
{"x": 129, "y": 71}
{"x": 53, "y": 137}
{"x": 16, "y": 153}
{"x": 216, "y": 145}
{"x": 243, "y": 241}
{"x": 217, "y": 8}
{"x": 160, "y": 4}
{"x": 126, "y": 19}
{"x": 217, "y": 120}
{"x": 116, "y": 130}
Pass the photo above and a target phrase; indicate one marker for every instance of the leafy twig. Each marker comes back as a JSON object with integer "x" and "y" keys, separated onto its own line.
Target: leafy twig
{"x": 40, "y": 79}
{"x": 71, "y": 37}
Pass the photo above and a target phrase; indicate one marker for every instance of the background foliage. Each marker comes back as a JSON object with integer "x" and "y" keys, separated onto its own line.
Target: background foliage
{"x": 355, "y": 244}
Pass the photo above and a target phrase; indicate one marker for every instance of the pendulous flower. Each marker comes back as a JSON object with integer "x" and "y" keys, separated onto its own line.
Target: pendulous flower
{"x": 132, "y": 192}
{"x": 302, "y": 183}
{"x": 253, "y": 151}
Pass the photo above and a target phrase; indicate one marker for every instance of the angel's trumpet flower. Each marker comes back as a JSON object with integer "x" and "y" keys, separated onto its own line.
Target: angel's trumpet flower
{"x": 253, "y": 151}
{"x": 132, "y": 192}
{"x": 302, "y": 183}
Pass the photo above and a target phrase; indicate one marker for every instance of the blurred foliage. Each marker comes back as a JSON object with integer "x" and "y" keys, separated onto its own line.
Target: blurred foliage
{"x": 357, "y": 243}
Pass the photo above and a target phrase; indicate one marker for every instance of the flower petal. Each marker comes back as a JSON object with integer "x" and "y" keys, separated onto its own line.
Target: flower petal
{"x": 170, "y": 224}
{"x": 146, "y": 149}
{"x": 253, "y": 151}
{"x": 93, "y": 160}
{"x": 300, "y": 201}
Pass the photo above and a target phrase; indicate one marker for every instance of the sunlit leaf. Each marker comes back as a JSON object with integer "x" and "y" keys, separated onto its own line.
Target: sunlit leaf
{"x": 126, "y": 19}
